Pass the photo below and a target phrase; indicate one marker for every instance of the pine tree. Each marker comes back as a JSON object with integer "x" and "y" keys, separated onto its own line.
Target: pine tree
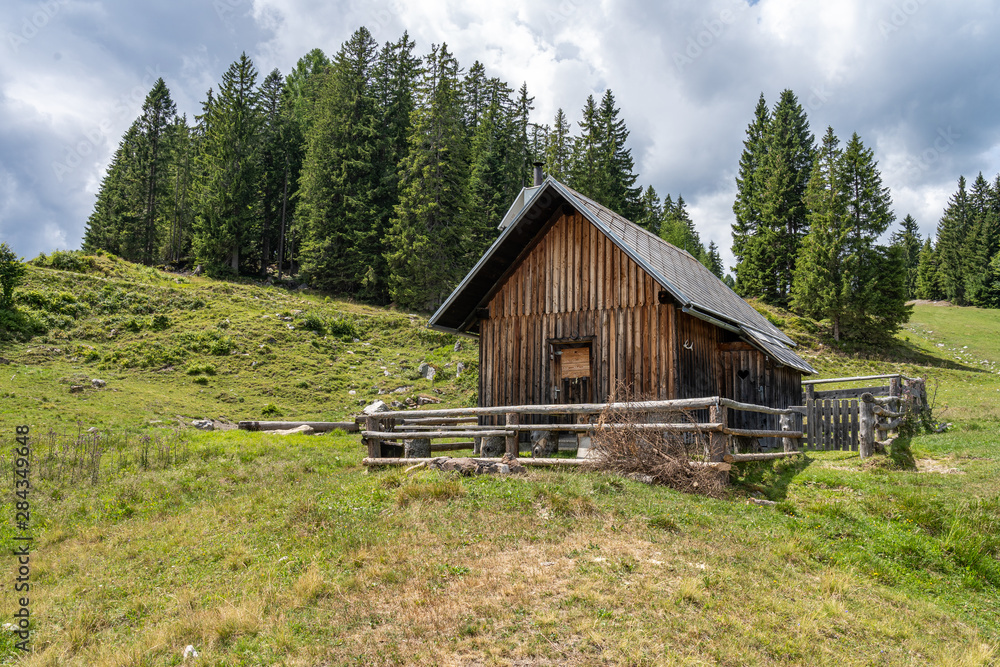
{"x": 397, "y": 72}
{"x": 747, "y": 207}
{"x": 823, "y": 284}
{"x": 495, "y": 166}
{"x": 952, "y": 230}
{"x": 559, "y": 149}
{"x": 714, "y": 262}
{"x": 784, "y": 174}
{"x": 928, "y": 281}
{"x": 652, "y": 211}
{"x": 228, "y": 201}
{"x": 842, "y": 274}
{"x": 131, "y": 215}
{"x": 117, "y": 212}
{"x": 981, "y": 243}
{"x": 616, "y": 167}
{"x": 339, "y": 174}
{"x": 584, "y": 160}
{"x": 425, "y": 254}
{"x": 908, "y": 238}
{"x": 177, "y": 243}
{"x": 273, "y": 162}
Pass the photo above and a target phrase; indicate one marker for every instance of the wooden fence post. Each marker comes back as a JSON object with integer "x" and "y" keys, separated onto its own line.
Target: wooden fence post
{"x": 866, "y": 432}
{"x": 374, "y": 446}
{"x": 788, "y": 444}
{"x": 717, "y": 440}
{"x": 512, "y": 420}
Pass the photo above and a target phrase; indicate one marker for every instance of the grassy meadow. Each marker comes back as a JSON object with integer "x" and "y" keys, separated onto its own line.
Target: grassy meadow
{"x": 256, "y": 549}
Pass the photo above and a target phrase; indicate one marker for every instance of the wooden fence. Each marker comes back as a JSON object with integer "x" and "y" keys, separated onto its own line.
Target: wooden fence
{"x": 835, "y": 419}
{"x": 385, "y": 433}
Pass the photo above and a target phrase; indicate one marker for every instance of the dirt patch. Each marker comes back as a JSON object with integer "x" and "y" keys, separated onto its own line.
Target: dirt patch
{"x": 925, "y": 302}
{"x": 940, "y": 467}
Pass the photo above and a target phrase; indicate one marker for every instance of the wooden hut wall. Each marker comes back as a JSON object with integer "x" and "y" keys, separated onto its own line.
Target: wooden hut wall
{"x": 575, "y": 284}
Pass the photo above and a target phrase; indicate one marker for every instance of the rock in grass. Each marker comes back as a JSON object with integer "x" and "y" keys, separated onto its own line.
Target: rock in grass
{"x": 376, "y": 407}
{"x": 75, "y": 389}
{"x": 98, "y": 384}
{"x": 305, "y": 429}
{"x": 203, "y": 424}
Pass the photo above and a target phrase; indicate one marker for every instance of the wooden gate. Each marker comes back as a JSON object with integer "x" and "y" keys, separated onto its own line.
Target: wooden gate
{"x": 832, "y": 424}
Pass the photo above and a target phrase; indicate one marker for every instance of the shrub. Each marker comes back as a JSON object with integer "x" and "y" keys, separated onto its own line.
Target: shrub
{"x": 11, "y": 275}
{"x": 271, "y": 410}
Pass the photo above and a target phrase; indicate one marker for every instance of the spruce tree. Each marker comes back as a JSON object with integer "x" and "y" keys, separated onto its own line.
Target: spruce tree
{"x": 824, "y": 282}
{"x": 714, "y": 261}
{"x": 843, "y": 274}
{"x": 747, "y": 207}
{"x": 425, "y": 242}
{"x": 273, "y": 165}
{"x": 784, "y": 174}
{"x": 132, "y": 212}
{"x": 584, "y": 168}
{"x": 952, "y": 230}
{"x": 652, "y": 211}
{"x": 928, "y": 280}
{"x": 228, "y": 201}
{"x": 559, "y": 149}
{"x": 495, "y": 177}
{"x": 981, "y": 243}
{"x": 397, "y": 73}
{"x": 908, "y": 238}
{"x": 339, "y": 175}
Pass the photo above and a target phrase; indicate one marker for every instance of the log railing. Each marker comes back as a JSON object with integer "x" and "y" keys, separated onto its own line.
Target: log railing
{"x": 385, "y": 434}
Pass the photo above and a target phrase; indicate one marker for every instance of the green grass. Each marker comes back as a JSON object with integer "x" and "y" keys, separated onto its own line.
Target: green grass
{"x": 263, "y": 550}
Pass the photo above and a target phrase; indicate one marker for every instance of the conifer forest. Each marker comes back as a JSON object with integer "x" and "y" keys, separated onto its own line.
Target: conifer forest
{"x": 382, "y": 173}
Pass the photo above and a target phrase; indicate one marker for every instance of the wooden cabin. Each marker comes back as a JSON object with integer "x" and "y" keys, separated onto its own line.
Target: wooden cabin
{"x": 573, "y": 299}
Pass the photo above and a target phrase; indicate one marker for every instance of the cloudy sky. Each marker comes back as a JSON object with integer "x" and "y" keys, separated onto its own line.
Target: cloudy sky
{"x": 917, "y": 80}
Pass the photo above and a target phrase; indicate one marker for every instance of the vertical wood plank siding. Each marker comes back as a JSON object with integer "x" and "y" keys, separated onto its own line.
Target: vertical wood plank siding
{"x": 575, "y": 284}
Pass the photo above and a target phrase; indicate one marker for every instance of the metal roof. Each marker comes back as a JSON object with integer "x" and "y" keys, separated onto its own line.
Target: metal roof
{"x": 697, "y": 289}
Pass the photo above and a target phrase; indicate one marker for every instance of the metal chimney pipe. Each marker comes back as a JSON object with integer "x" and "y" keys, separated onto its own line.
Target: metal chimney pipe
{"x": 539, "y": 177}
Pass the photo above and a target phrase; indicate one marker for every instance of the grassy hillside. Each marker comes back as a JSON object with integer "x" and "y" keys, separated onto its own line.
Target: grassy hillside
{"x": 174, "y": 348}
{"x": 261, "y": 550}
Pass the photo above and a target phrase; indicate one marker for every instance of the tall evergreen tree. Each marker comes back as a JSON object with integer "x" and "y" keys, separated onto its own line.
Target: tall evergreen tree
{"x": 397, "y": 73}
{"x": 952, "y": 230}
{"x": 559, "y": 149}
{"x": 823, "y": 281}
{"x": 426, "y": 238}
{"x": 714, "y": 261}
{"x": 747, "y": 206}
{"x": 784, "y": 174}
{"x": 339, "y": 174}
{"x": 652, "y": 211}
{"x": 584, "y": 170}
{"x": 273, "y": 165}
{"x": 928, "y": 280}
{"x": 495, "y": 174}
{"x": 843, "y": 275}
{"x": 981, "y": 243}
{"x": 131, "y": 218}
{"x": 228, "y": 200}
{"x": 908, "y": 238}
